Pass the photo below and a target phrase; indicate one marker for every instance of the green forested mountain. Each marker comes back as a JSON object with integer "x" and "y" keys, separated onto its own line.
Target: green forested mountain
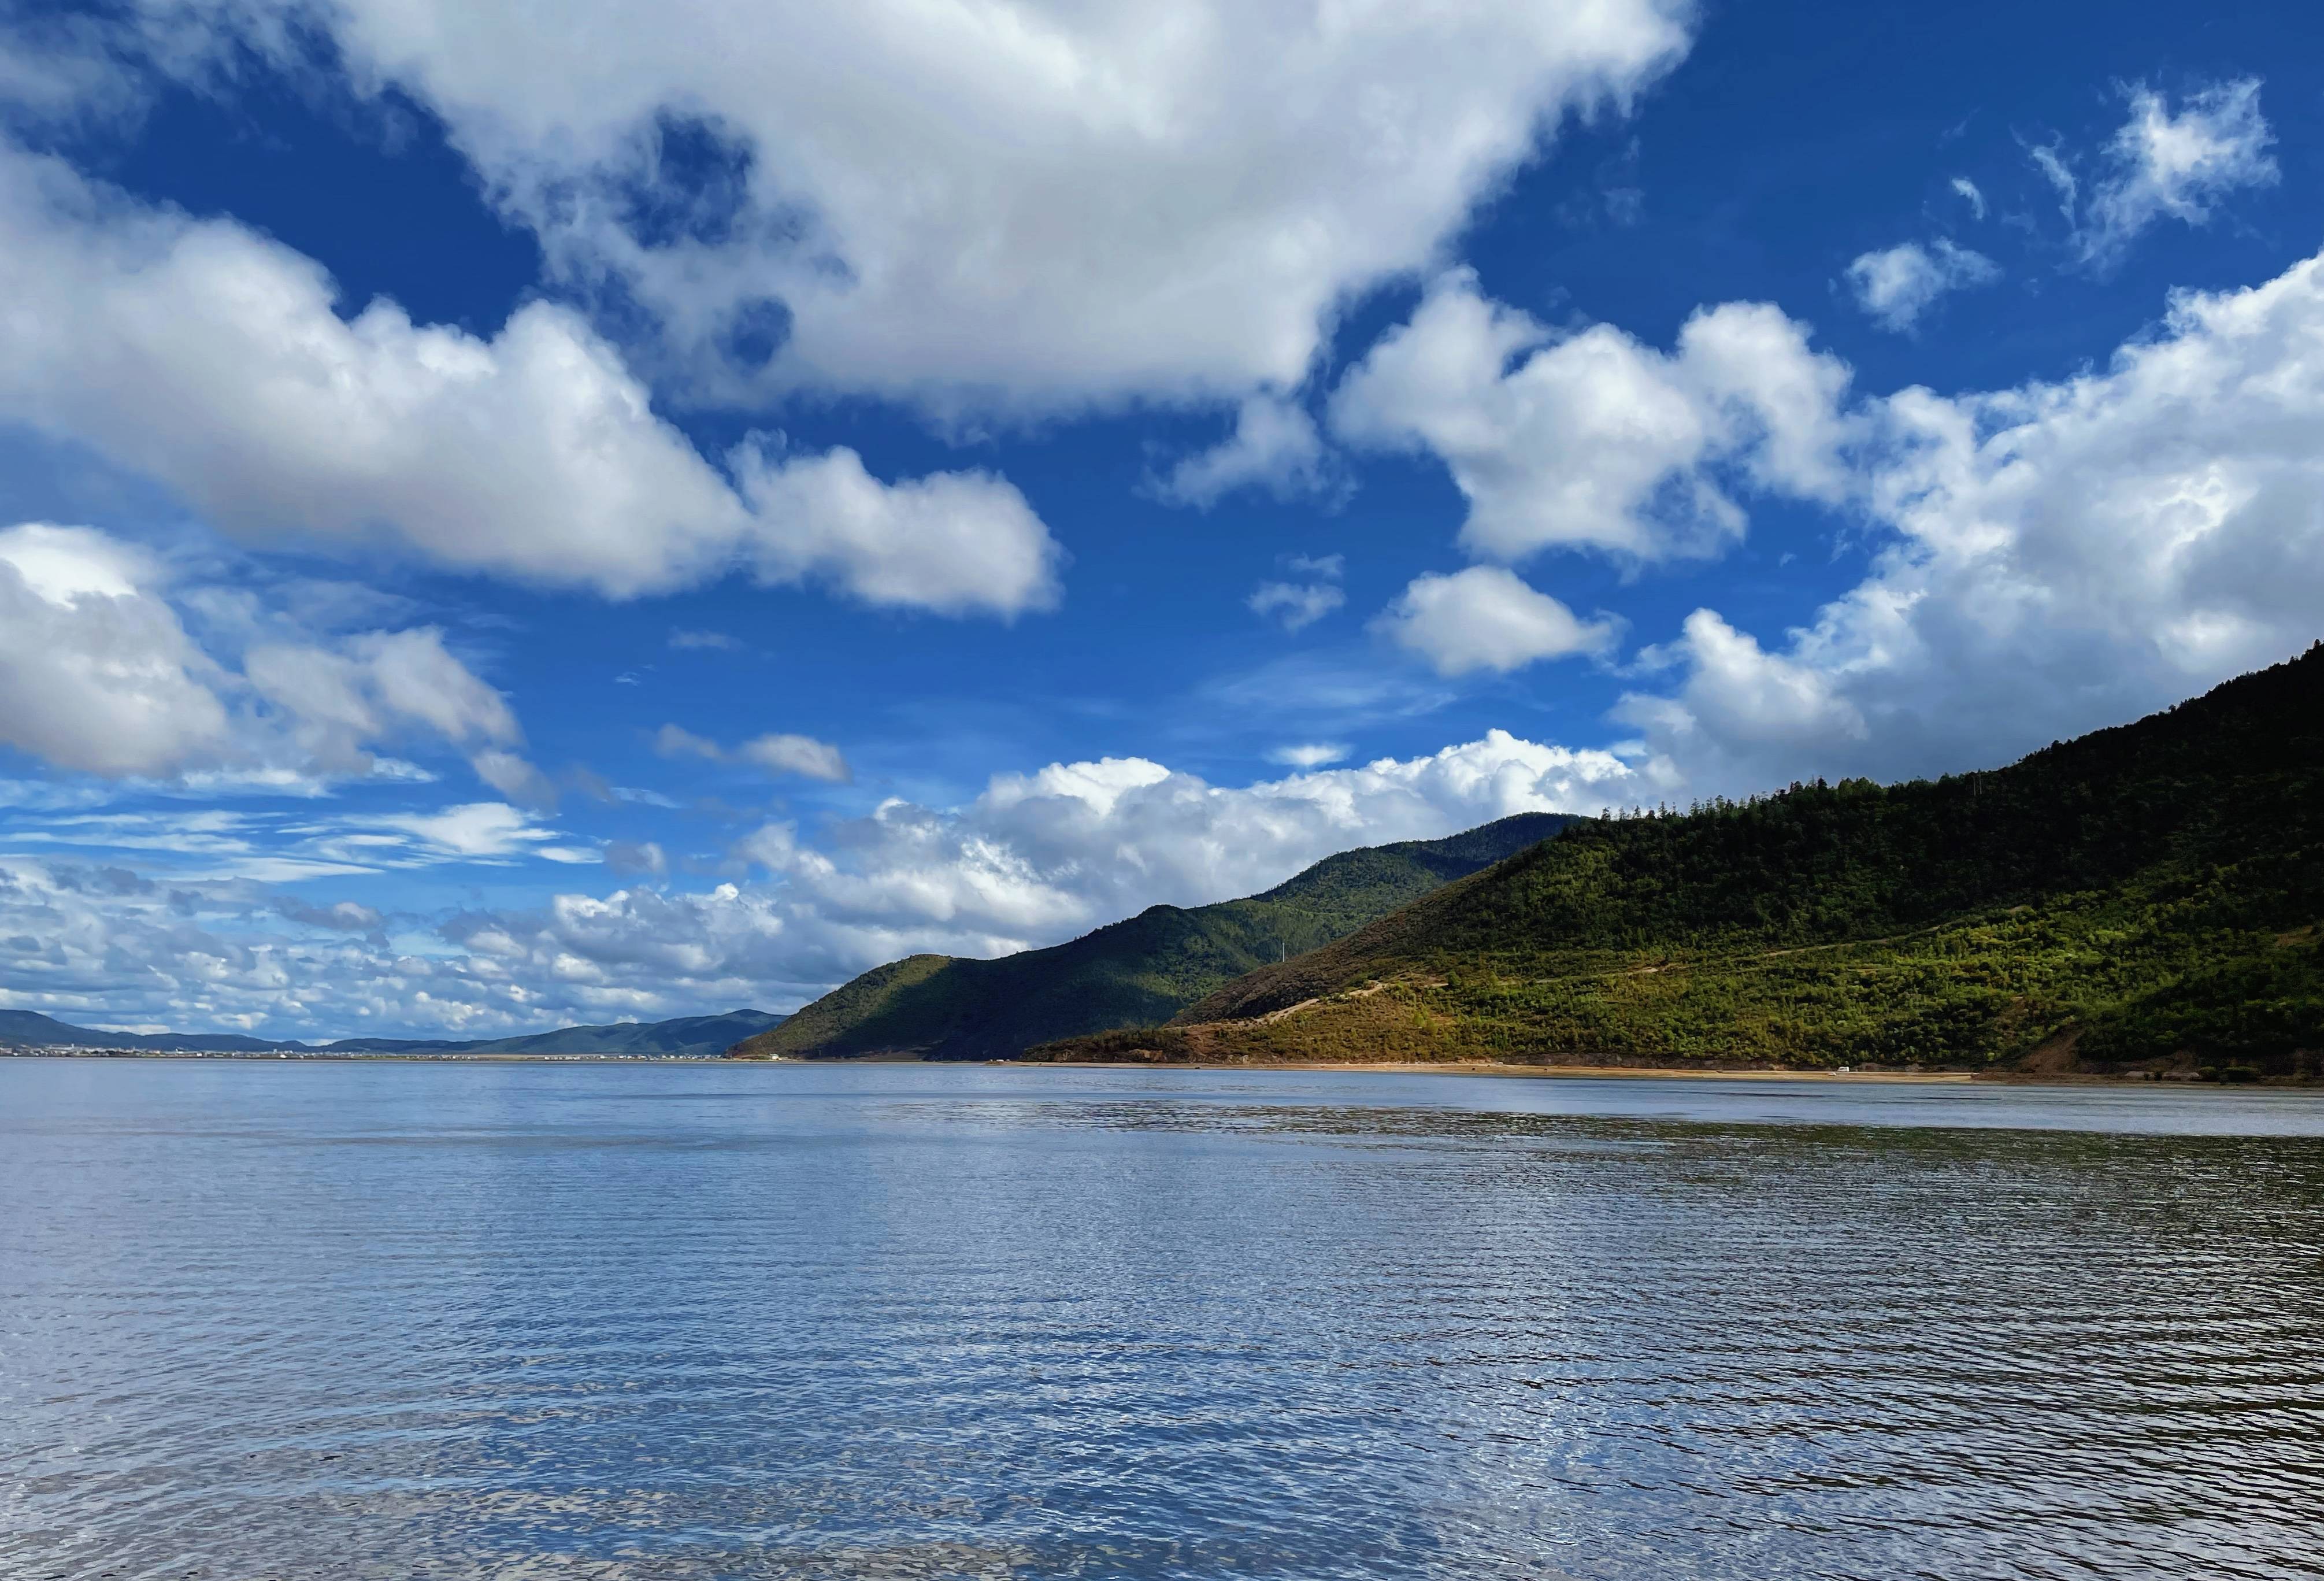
{"x": 1144, "y": 969}
{"x": 2145, "y": 896}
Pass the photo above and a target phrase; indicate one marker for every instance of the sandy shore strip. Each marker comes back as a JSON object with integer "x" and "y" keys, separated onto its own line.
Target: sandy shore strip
{"x": 1491, "y": 1068}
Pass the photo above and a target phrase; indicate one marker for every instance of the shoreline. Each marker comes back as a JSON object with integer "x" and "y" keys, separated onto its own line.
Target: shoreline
{"x": 1493, "y": 1068}
{"x": 1700, "y": 1073}
{"x": 1464, "y": 1067}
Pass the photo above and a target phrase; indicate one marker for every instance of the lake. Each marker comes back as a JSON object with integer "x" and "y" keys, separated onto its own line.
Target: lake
{"x": 289, "y": 1320}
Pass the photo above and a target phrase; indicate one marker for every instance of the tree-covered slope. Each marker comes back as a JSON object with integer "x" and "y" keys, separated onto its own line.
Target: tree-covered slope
{"x": 1144, "y": 969}
{"x": 2149, "y": 894}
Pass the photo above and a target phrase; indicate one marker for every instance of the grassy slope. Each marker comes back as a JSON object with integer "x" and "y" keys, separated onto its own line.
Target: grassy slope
{"x": 2145, "y": 894}
{"x": 1144, "y": 969}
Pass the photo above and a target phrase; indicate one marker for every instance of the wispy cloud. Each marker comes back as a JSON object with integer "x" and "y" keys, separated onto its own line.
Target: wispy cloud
{"x": 1296, "y": 605}
{"x": 1275, "y": 448}
{"x": 1300, "y": 605}
{"x": 1312, "y": 754}
{"x": 1898, "y": 286}
{"x": 2165, "y": 165}
{"x": 778, "y": 752}
{"x": 2162, "y": 163}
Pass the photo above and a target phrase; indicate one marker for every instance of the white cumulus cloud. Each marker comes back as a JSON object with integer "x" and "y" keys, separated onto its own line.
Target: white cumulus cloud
{"x": 1026, "y": 201}
{"x": 211, "y": 358}
{"x": 2059, "y": 556}
{"x": 2047, "y": 558}
{"x": 1041, "y": 857}
{"x": 96, "y": 671}
{"x": 1592, "y": 440}
{"x": 956, "y": 543}
{"x": 1486, "y": 618}
{"x": 98, "y": 674}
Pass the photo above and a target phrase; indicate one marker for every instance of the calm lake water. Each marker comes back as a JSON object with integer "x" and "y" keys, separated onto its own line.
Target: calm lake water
{"x": 290, "y": 1320}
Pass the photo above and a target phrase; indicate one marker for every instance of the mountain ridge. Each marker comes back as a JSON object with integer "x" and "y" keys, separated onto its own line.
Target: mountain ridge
{"x": 690, "y": 1035}
{"x": 1146, "y": 966}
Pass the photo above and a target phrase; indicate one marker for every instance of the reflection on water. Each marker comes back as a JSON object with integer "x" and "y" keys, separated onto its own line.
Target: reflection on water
{"x": 389, "y": 1321}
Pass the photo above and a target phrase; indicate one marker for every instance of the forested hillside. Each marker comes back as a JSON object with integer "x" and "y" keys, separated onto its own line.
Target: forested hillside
{"x": 2145, "y": 896}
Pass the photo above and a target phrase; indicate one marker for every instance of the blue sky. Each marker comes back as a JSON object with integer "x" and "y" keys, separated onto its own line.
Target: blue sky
{"x": 507, "y": 521}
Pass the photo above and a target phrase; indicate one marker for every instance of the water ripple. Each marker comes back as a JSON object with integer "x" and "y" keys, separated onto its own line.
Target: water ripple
{"x": 452, "y": 1323}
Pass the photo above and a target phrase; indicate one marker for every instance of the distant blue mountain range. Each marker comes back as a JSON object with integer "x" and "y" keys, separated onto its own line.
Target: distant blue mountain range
{"x": 692, "y": 1035}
